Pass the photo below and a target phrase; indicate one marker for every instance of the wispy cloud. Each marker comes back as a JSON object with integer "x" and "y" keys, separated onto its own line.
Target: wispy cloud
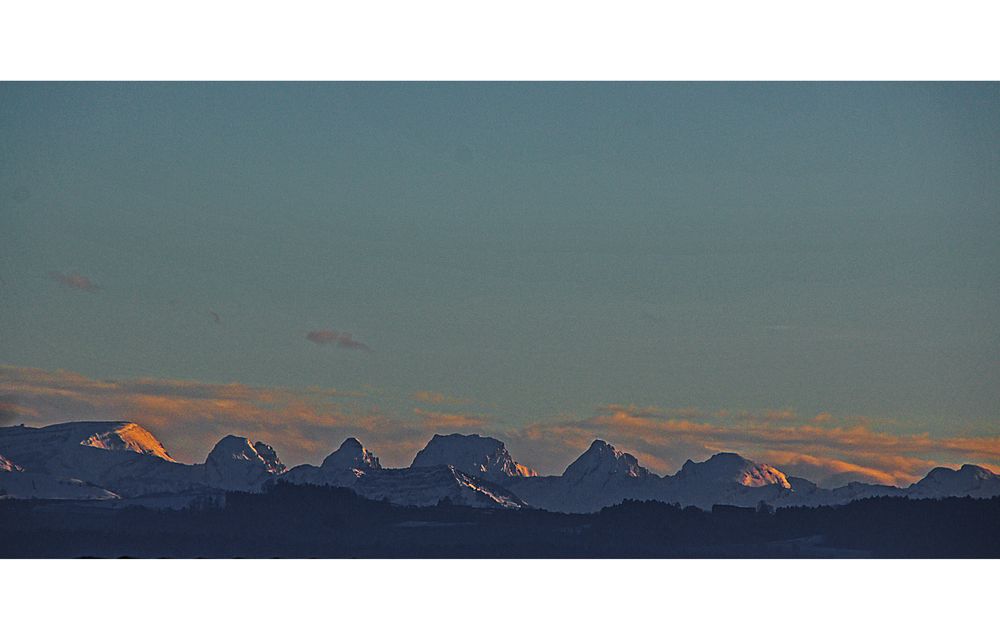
{"x": 338, "y": 338}
{"x": 9, "y": 412}
{"x": 434, "y": 397}
{"x": 834, "y": 471}
{"x": 437, "y": 420}
{"x": 74, "y": 281}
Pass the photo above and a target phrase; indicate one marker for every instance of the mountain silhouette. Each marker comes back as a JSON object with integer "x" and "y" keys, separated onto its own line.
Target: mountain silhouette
{"x": 123, "y": 461}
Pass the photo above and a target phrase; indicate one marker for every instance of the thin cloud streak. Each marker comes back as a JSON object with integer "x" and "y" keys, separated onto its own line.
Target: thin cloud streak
{"x": 439, "y": 420}
{"x": 437, "y": 398}
{"x": 338, "y": 338}
{"x": 74, "y": 281}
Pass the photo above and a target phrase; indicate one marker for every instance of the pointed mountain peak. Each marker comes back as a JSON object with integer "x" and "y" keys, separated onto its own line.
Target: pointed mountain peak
{"x": 351, "y": 443}
{"x": 237, "y": 463}
{"x": 602, "y": 460}
{"x": 472, "y": 454}
{"x": 351, "y": 455}
{"x": 233, "y": 447}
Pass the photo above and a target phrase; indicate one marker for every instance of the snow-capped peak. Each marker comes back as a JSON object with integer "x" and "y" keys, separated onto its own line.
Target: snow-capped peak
{"x": 109, "y": 436}
{"x": 123, "y": 436}
{"x": 602, "y": 460}
{"x": 239, "y": 448}
{"x": 732, "y": 467}
{"x": 970, "y": 479}
{"x": 351, "y": 455}
{"x": 472, "y": 454}
{"x": 236, "y": 463}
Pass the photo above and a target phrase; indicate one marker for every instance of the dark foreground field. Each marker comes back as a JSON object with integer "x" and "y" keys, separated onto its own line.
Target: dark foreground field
{"x": 305, "y": 522}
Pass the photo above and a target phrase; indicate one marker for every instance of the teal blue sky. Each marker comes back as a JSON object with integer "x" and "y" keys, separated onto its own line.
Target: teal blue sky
{"x": 538, "y": 249}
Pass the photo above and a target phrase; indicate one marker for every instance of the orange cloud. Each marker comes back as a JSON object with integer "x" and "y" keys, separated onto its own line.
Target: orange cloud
{"x": 434, "y": 397}
{"x": 808, "y": 466}
{"x": 436, "y": 420}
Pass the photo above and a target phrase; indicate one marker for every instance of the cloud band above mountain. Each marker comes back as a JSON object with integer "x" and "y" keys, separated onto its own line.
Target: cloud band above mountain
{"x": 306, "y": 424}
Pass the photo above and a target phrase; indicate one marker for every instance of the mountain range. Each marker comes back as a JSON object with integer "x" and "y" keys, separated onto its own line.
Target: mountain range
{"x": 123, "y": 463}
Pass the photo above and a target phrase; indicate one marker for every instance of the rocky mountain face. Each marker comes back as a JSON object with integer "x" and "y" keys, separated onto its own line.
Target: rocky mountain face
{"x": 236, "y": 464}
{"x": 355, "y": 467}
{"x": 602, "y": 463}
{"x": 476, "y": 455}
{"x": 352, "y": 455}
{"x": 342, "y": 468}
{"x": 431, "y": 485}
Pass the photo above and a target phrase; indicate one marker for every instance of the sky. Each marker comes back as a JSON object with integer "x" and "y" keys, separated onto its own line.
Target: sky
{"x": 806, "y": 273}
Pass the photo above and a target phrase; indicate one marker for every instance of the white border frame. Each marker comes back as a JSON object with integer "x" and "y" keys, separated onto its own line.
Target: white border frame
{"x": 519, "y": 40}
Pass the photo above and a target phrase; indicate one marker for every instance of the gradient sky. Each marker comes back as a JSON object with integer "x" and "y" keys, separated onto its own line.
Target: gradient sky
{"x": 517, "y": 256}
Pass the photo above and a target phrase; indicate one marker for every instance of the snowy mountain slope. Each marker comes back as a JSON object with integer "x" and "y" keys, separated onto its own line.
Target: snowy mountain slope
{"x": 125, "y": 459}
{"x": 725, "y": 478}
{"x": 425, "y": 486}
{"x": 15, "y": 482}
{"x": 472, "y": 454}
{"x": 120, "y": 457}
{"x": 123, "y": 437}
{"x": 355, "y": 467}
{"x": 25, "y": 484}
{"x": 969, "y": 480}
{"x": 602, "y": 476}
{"x": 33, "y": 447}
{"x": 729, "y": 468}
